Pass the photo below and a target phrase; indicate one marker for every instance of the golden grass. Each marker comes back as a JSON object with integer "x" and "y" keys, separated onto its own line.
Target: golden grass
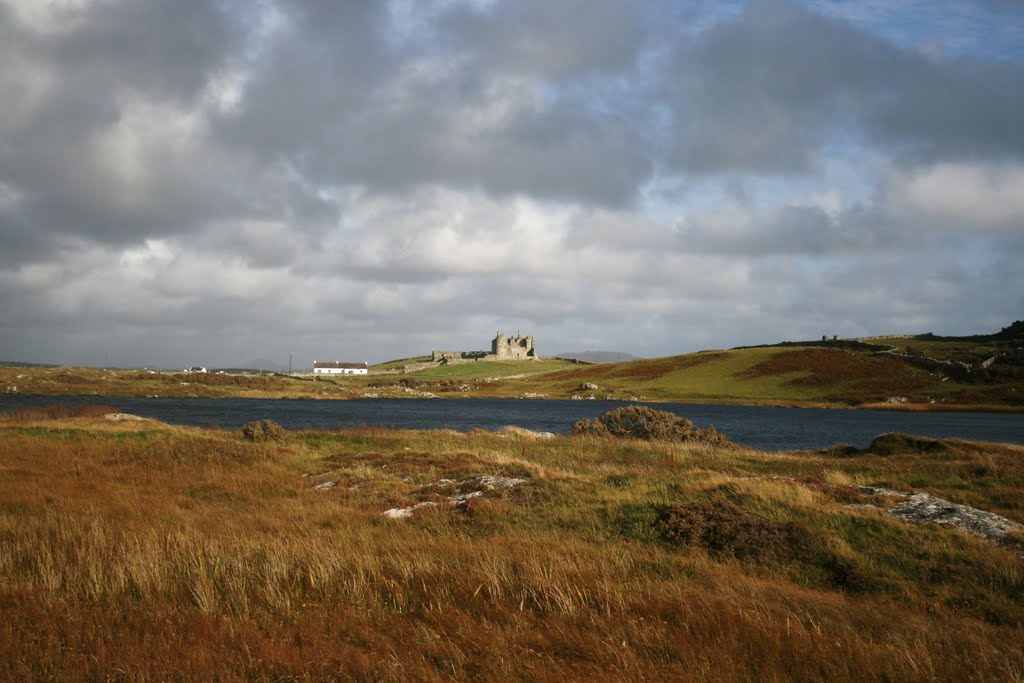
{"x": 148, "y": 552}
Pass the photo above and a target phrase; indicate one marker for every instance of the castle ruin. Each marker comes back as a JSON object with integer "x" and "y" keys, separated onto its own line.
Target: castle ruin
{"x": 502, "y": 348}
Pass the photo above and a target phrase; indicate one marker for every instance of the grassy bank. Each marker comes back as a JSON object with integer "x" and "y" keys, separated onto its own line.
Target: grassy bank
{"x": 142, "y": 551}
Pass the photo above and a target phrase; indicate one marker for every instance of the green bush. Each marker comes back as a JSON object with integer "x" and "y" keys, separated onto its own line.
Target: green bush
{"x": 642, "y": 422}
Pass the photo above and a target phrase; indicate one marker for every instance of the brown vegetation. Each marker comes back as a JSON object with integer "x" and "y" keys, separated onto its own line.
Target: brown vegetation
{"x": 148, "y": 552}
{"x": 643, "y": 422}
{"x": 854, "y": 375}
{"x": 263, "y": 430}
{"x": 639, "y": 370}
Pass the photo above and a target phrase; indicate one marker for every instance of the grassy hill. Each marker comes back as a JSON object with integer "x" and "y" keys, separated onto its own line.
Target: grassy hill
{"x": 924, "y": 371}
{"x": 764, "y": 374}
{"x": 140, "y": 551}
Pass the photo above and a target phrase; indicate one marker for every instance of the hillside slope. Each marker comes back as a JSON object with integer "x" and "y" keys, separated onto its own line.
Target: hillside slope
{"x": 787, "y": 374}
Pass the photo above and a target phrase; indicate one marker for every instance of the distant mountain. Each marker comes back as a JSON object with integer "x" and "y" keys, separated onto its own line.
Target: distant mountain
{"x": 19, "y": 364}
{"x": 598, "y": 356}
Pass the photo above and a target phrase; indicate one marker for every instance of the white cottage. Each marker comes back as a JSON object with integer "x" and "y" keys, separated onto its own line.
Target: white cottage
{"x": 333, "y": 367}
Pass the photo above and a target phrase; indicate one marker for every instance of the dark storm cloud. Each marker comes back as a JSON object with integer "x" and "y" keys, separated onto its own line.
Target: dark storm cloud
{"x": 343, "y": 105}
{"x": 552, "y": 39}
{"x": 763, "y": 93}
{"x": 74, "y": 88}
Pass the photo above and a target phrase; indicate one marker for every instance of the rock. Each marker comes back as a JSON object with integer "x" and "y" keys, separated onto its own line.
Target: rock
{"x": 460, "y": 498}
{"x": 125, "y": 417}
{"x": 421, "y": 394}
{"x": 895, "y": 399}
{"x": 878, "y": 491}
{"x": 497, "y": 482}
{"x": 512, "y": 430}
{"x": 324, "y": 486}
{"x": 923, "y": 508}
{"x": 587, "y": 386}
{"x": 402, "y": 513}
{"x": 485, "y": 482}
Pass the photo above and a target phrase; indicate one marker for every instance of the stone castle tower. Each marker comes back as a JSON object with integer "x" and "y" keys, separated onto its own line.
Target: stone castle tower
{"x": 512, "y": 348}
{"x": 502, "y": 348}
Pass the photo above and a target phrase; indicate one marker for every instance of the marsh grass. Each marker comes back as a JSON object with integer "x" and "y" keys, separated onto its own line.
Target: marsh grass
{"x": 190, "y": 554}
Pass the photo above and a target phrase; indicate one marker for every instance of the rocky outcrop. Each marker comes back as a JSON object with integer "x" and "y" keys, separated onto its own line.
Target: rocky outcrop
{"x": 126, "y": 417}
{"x": 462, "y": 492}
{"x": 924, "y": 508}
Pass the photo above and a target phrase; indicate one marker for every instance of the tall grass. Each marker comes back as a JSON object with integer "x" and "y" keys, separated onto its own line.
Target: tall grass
{"x": 164, "y": 553}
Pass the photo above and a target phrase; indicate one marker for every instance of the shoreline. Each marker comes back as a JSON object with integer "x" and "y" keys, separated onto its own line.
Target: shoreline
{"x": 908, "y": 407}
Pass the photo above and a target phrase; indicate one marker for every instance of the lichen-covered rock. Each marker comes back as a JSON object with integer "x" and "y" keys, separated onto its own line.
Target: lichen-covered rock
{"x": 466, "y": 490}
{"x": 924, "y": 508}
{"x": 125, "y": 417}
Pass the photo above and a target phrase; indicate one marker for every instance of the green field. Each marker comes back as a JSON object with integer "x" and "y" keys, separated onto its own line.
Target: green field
{"x": 492, "y": 369}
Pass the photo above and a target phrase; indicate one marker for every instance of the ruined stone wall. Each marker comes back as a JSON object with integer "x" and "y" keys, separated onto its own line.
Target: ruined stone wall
{"x": 512, "y": 348}
{"x": 458, "y": 356}
{"x": 502, "y": 348}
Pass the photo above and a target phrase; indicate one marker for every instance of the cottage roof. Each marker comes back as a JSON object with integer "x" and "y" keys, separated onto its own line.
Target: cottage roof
{"x": 338, "y": 365}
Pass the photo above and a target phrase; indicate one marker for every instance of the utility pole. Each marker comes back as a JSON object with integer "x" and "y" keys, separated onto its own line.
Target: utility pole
{"x": 289, "y": 363}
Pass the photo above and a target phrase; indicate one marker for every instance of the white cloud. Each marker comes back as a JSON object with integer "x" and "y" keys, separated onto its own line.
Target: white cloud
{"x": 961, "y": 195}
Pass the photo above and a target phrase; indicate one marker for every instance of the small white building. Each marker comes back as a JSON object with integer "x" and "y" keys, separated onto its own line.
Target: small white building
{"x": 333, "y": 367}
{"x": 195, "y": 368}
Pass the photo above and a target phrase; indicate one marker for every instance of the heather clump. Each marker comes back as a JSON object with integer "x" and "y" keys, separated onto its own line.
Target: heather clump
{"x": 723, "y": 528}
{"x": 649, "y": 424}
{"x": 263, "y": 430}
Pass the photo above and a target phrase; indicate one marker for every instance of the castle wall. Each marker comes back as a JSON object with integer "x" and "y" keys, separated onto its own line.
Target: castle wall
{"x": 458, "y": 356}
{"x": 502, "y": 348}
{"x": 512, "y": 348}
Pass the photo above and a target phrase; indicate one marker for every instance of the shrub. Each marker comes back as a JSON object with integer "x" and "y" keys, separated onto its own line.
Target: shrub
{"x": 642, "y": 422}
{"x": 723, "y": 528}
{"x": 897, "y": 444}
{"x": 264, "y": 430}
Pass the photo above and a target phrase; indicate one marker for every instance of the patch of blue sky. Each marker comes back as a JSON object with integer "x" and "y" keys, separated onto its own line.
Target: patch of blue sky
{"x": 983, "y": 29}
{"x": 694, "y": 18}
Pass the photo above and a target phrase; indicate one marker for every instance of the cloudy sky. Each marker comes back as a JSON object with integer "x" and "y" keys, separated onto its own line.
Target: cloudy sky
{"x": 213, "y": 181}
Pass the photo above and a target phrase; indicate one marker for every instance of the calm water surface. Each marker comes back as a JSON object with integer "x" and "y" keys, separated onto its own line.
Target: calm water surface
{"x": 759, "y": 427}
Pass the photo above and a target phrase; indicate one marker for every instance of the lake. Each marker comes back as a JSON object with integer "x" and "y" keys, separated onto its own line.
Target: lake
{"x": 759, "y": 427}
